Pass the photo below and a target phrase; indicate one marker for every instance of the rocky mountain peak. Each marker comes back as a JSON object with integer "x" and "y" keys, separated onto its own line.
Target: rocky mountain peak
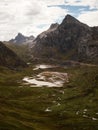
{"x": 70, "y": 19}
{"x": 20, "y": 35}
{"x": 21, "y": 39}
{"x": 72, "y": 39}
{"x": 54, "y": 25}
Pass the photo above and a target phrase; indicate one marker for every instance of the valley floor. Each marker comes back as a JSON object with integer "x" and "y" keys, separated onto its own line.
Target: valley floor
{"x": 73, "y": 106}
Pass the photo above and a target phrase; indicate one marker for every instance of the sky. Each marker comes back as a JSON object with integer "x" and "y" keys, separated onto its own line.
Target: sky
{"x": 31, "y": 17}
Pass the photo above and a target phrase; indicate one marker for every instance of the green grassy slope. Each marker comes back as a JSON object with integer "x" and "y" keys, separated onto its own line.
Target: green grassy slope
{"x": 21, "y": 50}
{"x": 72, "y": 107}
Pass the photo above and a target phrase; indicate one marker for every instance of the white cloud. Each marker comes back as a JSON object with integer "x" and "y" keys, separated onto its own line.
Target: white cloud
{"x": 53, "y": 2}
{"x": 29, "y": 16}
{"x": 89, "y": 17}
{"x": 26, "y": 15}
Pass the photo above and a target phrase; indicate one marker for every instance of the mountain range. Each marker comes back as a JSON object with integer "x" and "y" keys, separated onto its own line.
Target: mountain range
{"x": 71, "y": 40}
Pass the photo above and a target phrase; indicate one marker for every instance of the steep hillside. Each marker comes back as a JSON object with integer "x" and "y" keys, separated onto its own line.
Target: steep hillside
{"x": 9, "y": 59}
{"x": 22, "y": 50}
{"x": 71, "y": 40}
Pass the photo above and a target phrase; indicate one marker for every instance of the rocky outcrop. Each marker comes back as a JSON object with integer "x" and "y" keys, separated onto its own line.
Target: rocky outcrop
{"x": 21, "y": 39}
{"x": 9, "y": 59}
{"x": 69, "y": 40}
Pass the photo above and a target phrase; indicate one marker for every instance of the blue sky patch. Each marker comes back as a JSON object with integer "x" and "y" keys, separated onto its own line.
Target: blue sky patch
{"x": 42, "y": 25}
{"x": 74, "y": 10}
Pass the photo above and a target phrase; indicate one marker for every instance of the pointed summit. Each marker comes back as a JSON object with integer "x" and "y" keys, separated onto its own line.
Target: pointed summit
{"x": 21, "y": 39}
{"x": 70, "y": 19}
{"x": 20, "y": 35}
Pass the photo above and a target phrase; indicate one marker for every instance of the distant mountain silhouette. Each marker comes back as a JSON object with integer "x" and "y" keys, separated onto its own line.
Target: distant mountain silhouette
{"x": 21, "y": 39}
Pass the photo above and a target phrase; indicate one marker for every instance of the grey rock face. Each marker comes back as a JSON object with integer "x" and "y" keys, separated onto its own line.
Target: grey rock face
{"x": 69, "y": 40}
{"x": 21, "y": 39}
